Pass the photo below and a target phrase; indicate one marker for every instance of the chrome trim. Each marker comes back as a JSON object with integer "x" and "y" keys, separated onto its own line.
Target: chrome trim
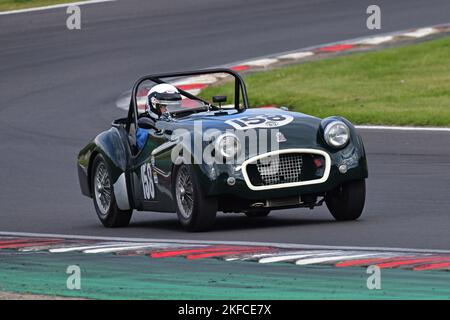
{"x": 161, "y": 172}
{"x": 165, "y": 146}
{"x": 326, "y": 134}
{"x": 324, "y": 178}
{"x": 222, "y": 136}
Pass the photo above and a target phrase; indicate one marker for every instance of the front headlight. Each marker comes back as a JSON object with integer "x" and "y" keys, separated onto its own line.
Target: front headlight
{"x": 227, "y": 145}
{"x": 337, "y": 134}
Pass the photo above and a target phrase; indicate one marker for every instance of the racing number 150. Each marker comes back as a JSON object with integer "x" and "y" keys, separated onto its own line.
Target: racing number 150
{"x": 148, "y": 187}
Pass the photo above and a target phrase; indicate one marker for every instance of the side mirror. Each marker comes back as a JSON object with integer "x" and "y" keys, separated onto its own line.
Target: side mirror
{"x": 146, "y": 123}
{"x": 220, "y": 100}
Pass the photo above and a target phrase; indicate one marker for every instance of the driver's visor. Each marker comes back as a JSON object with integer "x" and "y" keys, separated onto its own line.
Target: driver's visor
{"x": 168, "y": 99}
{"x": 169, "y": 105}
{"x": 169, "y": 102}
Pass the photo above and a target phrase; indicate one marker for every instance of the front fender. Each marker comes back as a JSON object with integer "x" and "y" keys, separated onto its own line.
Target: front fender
{"x": 110, "y": 145}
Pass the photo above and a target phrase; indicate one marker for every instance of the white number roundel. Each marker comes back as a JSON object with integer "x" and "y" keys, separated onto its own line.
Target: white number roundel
{"x": 148, "y": 187}
{"x": 260, "y": 121}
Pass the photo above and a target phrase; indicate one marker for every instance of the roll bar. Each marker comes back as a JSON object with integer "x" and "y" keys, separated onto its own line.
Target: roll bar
{"x": 239, "y": 90}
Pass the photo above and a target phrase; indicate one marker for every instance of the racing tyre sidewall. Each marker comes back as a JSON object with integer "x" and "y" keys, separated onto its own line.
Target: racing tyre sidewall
{"x": 113, "y": 217}
{"x": 346, "y": 202}
{"x": 204, "y": 209}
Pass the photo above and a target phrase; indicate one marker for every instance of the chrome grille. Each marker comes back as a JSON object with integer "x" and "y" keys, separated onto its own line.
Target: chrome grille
{"x": 282, "y": 168}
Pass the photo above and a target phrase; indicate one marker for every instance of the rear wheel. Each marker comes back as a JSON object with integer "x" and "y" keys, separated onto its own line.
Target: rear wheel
{"x": 195, "y": 211}
{"x": 103, "y": 194}
{"x": 257, "y": 213}
{"x": 346, "y": 202}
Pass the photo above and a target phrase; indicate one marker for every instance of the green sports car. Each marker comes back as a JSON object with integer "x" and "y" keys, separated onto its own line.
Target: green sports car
{"x": 202, "y": 156}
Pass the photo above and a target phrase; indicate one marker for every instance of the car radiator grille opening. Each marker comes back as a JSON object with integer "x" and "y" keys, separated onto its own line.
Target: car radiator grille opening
{"x": 283, "y": 168}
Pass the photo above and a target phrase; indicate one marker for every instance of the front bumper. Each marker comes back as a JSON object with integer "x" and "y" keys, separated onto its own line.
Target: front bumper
{"x": 214, "y": 178}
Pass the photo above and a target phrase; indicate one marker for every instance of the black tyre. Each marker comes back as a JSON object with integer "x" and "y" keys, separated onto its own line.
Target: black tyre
{"x": 103, "y": 194}
{"x": 195, "y": 211}
{"x": 257, "y": 213}
{"x": 347, "y": 201}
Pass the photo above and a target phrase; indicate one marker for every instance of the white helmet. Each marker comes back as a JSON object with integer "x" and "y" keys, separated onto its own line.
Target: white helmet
{"x": 160, "y": 96}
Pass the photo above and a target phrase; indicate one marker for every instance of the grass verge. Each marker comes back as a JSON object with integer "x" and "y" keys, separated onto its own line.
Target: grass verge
{"x": 6, "y": 5}
{"x": 407, "y": 85}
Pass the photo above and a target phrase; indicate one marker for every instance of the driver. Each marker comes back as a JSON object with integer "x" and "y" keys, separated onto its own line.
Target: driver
{"x": 159, "y": 98}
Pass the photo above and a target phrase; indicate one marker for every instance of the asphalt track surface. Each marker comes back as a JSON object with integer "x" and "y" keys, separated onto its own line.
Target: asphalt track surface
{"x": 58, "y": 90}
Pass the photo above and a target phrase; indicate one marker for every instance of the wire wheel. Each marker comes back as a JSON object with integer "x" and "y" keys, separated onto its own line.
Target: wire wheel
{"x": 102, "y": 189}
{"x": 184, "y": 192}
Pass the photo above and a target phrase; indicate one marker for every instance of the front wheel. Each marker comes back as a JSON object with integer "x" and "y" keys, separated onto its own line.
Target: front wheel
{"x": 346, "y": 202}
{"x": 104, "y": 200}
{"x": 195, "y": 211}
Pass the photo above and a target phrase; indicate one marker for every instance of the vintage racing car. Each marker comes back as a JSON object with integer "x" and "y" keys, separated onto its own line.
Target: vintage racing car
{"x": 304, "y": 161}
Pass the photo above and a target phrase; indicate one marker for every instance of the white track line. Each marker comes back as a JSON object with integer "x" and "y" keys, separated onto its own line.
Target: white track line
{"x": 373, "y": 41}
{"x": 133, "y": 247}
{"x": 47, "y": 247}
{"x": 257, "y": 256}
{"x": 290, "y": 256}
{"x": 56, "y": 6}
{"x": 304, "y": 262}
{"x": 96, "y": 246}
{"x": 247, "y": 257}
{"x": 364, "y": 127}
{"x": 420, "y": 33}
{"x": 203, "y": 79}
{"x": 260, "y": 62}
{"x": 213, "y": 242}
{"x": 296, "y": 55}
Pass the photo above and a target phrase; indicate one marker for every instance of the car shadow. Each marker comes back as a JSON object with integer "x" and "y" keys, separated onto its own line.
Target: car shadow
{"x": 233, "y": 222}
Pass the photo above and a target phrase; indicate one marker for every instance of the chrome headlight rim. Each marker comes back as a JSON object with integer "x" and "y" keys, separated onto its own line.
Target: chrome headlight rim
{"x": 220, "y": 139}
{"x": 328, "y": 138}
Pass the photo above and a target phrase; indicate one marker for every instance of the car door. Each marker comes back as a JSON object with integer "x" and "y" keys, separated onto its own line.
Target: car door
{"x": 151, "y": 173}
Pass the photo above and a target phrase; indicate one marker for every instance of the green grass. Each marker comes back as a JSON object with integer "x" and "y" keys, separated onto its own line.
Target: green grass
{"x": 6, "y": 5}
{"x": 407, "y": 85}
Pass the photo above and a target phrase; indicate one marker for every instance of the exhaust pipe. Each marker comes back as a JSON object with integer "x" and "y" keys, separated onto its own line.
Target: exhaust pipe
{"x": 257, "y": 205}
